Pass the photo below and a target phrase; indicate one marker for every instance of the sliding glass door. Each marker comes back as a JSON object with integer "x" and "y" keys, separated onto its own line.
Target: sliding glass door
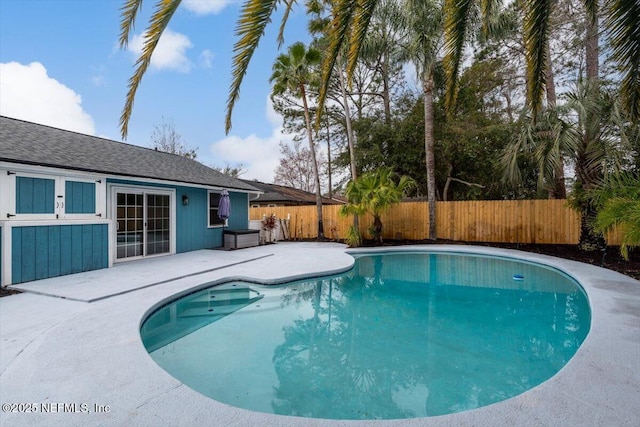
{"x": 158, "y": 223}
{"x": 143, "y": 223}
{"x": 130, "y": 225}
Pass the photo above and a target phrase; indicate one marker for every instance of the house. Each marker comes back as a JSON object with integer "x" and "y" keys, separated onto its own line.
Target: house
{"x": 71, "y": 202}
{"x": 274, "y": 195}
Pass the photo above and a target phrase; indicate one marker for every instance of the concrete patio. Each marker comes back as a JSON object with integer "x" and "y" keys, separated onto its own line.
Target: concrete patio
{"x": 75, "y": 340}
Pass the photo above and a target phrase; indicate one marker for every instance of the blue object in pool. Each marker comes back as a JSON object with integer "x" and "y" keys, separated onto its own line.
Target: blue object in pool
{"x": 518, "y": 277}
{"x": 401, "y": 335}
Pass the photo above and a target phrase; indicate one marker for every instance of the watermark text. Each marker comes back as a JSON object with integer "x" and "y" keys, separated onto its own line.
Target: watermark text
{"x": 55, "y": 407}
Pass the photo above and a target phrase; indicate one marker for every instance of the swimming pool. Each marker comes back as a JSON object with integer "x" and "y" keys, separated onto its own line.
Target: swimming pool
{"x": 401, "y": 335}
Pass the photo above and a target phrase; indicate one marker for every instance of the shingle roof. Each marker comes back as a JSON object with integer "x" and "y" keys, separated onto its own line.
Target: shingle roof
{"x": 35, "y": 144}
{"x": 274, "y": 193}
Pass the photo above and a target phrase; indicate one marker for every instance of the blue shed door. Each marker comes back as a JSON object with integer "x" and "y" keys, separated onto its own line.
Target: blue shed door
{"x": 143, "y": 224}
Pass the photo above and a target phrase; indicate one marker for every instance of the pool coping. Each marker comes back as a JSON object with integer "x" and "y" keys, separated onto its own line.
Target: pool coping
{"x": 93, "y": 354}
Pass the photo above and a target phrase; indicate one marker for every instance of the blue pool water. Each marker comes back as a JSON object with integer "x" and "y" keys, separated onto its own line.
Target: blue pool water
{"x": 401, "y": 335}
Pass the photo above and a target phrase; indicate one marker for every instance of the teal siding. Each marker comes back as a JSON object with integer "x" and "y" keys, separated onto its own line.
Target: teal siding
{"x": 65, "y": 251}
{"x": 192, "y": 231}
{"x": 239, "y": 218}
{"x": 39, "y": 252}
{"x": 192, "y": 221}
{"x": 35, "y": 195}
{"x": 54, "y": 267}
{"x": 42, "y": 258}
{"x": 76, "y": 249}
{"x": 80, "y": 197}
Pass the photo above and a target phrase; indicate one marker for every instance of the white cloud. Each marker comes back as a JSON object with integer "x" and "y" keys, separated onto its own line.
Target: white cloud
{"x": 206, "y": 58}
{"x": 28, "y": 93}
{"x": 259, "y": 156}
{"x": 205, "y": 7}
{"x": 170, "y": 53}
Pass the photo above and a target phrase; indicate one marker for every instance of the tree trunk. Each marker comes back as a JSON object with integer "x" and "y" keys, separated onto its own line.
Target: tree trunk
{"x": 386, "y": 97}
{"x": 590, "y": 240}
{"x": 507, "y": 97}
{"x": 347, "y": 117}
{"x": 429, "y": 144}
{"x": 592, "y": 49}
{"x": 316, "y": 174}
{"x": 350, "y": 136}
{"x": 558, "y": 189}
{"x": 550, "y": 84}
{"x": 377, "y": 227}
{"x": 329, "y": 159}
{"x": 445, "y": 191}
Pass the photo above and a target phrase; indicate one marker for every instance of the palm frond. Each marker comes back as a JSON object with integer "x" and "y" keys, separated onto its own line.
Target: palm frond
{"x": 489, "y": 10}
{"x": 157, "y": 24}
{"x": 591, "y": 7}
{"x": 128, "y": 15}
{"x": 361, "y": 22}
{"x": 318, "y": 23}
{"x": 536, "y": 34}
{"x": 499, "y": 25}
{"x": 254, "y": 17}
{"x": 618, "y": 200}
{"x": 623, "y": 25}
{"x": 509, "y": 160}
{"x": 343, "y": 13}
{"x": 283, "y": 22}
{"x": 297, "y": 52}
{"x": 457, "y": 23}
{"x": 425, "y": 24}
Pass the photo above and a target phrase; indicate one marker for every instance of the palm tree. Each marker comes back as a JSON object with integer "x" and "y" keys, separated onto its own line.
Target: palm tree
{"x": 375, "y": 192}
{"x": 546, "y": 141}
{"x": 321, "y": 13}
{"x": 424, "y": 23}
{"x": 292, "y": 73}
{"x": 587, "y": 131}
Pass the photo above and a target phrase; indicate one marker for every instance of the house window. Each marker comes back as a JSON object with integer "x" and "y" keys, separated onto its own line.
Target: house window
{"x": 35, "y": 195}
{"x": 214, "y": 219}
{"x": 80, "y": 197}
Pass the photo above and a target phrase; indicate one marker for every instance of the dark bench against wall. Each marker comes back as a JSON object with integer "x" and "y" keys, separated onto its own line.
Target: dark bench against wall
{"x": 237, "y": 239}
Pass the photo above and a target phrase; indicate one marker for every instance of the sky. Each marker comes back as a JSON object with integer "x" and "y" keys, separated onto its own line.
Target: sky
{"x": 61, "y": 65}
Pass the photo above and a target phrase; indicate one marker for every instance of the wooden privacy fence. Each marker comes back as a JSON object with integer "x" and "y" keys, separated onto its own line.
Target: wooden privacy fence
{"x": 503, "y": 221}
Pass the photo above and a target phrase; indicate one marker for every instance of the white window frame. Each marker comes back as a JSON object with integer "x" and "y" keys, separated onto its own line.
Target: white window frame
{"x": 100, "y": 198}
{"x": 209, "y": 225}
{"x": 8, "y": 189}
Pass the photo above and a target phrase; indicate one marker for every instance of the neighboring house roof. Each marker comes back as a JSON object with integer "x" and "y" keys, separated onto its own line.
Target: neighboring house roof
{"x": 280, "y": 194}
{"x": 30, "y": 143}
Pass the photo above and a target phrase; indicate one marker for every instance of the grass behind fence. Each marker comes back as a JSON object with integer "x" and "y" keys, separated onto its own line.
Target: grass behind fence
{"x": 501, "y": 221}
